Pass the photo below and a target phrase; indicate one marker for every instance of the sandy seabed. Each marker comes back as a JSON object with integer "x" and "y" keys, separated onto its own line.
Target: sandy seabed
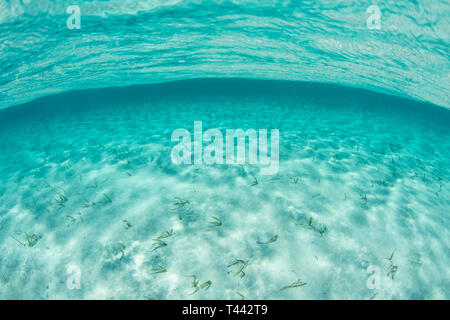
{"x": 87, "y": 180}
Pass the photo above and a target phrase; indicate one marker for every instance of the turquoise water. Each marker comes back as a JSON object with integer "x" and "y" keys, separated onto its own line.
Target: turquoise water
{"x": 88, "y": 182}
{"x": 123, "y": 42}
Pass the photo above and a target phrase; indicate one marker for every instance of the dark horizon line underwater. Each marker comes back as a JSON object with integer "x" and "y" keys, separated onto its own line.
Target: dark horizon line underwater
{"x": 229, "y": 82}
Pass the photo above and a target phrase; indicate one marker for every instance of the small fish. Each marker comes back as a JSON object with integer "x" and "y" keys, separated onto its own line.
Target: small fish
{"x": 159, "y": 269}
{"x": 159, "y": 244}
{"x": 217, "y": 222}
{"x": 206, "y": 285}
{"x": 240, "y": 294}
{"x": 271, "y": 240}
{"x": 166, "y": 234}
{"x": 180, "y": 203}
{"x": 295, "y": 284}
{"x": 108, "y": 198}
{"x": 128, "y": 224}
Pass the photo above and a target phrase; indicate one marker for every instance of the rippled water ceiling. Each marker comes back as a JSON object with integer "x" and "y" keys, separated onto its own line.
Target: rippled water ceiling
{"x": 127, "y": 42}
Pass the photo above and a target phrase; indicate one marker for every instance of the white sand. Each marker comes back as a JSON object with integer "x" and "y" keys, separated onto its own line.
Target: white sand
{"x": 376, "y": 179}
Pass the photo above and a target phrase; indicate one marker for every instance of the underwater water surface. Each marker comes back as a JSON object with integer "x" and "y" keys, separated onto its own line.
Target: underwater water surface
{"x": 126, "y": 42}
{"x": 87, "y": 181}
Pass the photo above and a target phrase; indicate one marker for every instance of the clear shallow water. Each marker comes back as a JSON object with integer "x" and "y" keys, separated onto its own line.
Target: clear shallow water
{"x": 87, "y": 178}
{"x": 90, "y": 175}
{"x": 125, "y": 42}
